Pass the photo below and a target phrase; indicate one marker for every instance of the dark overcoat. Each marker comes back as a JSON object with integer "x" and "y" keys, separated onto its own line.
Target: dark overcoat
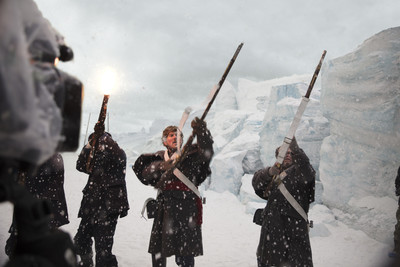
{"x": 177, "y": 224}
{"x": 48, "y": 183}
{"x": 396, "y": 233}
{"x": 284, "y": 235}
{"x": 105, "y": 192}
{"x": 397, "y": 184}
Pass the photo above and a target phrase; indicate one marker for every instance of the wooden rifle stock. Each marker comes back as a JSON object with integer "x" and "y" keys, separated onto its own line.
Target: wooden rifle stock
{"x": 98, "y": 131}
{"x": 103, "y": 110}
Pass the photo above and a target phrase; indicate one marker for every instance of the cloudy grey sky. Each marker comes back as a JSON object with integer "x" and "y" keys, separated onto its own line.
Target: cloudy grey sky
{"x": 169, "y": 54}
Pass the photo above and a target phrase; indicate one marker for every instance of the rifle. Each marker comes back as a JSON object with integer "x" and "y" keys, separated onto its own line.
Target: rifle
{"x": 218, "y": 88}
{"x": 87, "y": 128}
{"x": 193, "y": 135}
{"x": 295, "y": 123}
{"x": 98, "y": 131}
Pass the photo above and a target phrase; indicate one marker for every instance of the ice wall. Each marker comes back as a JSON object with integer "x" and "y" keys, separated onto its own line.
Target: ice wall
{"x": 283, "y": 104}
{"x": 350, "y": 130}
{"x": 359, "y": 160}
{"x": 249, "y": 122}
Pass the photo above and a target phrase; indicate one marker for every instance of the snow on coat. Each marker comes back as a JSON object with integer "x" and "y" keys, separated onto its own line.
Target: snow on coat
{"x": 177, "y": 223}
{"x": 284, "y": 235}
{"x": 48, "y": 183}
{"x": 105, "y": 192}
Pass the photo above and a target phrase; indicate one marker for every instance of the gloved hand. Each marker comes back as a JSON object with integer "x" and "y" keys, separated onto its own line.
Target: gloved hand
{"x": 99, "y": 128}
{"x": 166, "y": 165}
{"x": 274, "y": 170}
{"x": 198, "y": 126}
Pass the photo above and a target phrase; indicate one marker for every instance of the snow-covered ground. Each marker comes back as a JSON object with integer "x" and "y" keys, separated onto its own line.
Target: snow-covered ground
{"x": 350, "y": 131}
{"x": 230, "y": 237}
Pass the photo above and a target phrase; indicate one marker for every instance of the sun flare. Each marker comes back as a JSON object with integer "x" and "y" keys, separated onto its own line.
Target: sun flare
{"x": 108, "y": 81}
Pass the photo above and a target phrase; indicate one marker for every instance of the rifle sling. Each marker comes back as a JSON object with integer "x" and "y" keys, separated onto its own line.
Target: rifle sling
{"x": 186, "y": 181}
{"x": 181, "y": 176}
{"x": 293, "y": 201}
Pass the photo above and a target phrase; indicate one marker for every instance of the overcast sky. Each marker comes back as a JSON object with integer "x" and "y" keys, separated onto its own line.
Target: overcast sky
{"x": 169, "y": 54}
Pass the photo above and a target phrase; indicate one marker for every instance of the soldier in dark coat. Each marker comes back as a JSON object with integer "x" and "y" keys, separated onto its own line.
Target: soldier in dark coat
{"x": 47, "y": 182}
{"x": 177, "y": 223}
{"x": 284, "y": 239}
{"x": 396, "y": 250}
{"x": 104, "y": 200}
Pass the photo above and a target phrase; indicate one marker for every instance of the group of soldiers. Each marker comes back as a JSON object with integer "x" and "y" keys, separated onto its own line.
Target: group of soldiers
{"x": 30, "y": 48}
{"x": 33, "y": 89}
{"x": 104, "y": 199}
{"x": 177, "y": 224}
{"x": 178, "y": 215}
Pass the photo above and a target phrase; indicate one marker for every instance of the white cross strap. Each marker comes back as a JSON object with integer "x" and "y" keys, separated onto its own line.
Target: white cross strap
{"x": 292, "y": 201}
{"x": 186, "y": 181}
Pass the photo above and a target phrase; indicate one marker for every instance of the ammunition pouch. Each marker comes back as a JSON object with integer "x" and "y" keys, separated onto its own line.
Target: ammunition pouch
{"x": 258, "y": 217}
{"x": 151, "y": 208}
{"x": 150, "y": 205}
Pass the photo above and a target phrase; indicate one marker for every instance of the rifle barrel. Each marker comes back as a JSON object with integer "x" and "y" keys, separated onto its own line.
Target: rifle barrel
{"x": 87, "y": 129}
{"x": 103, "y": 110}
{"x": 221, "y": 81}
{"x": 191, "y": 137}
{"x": 97, "y": 134}
{"x": 300, "y": 110}
{"x": 314, "y": 78}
